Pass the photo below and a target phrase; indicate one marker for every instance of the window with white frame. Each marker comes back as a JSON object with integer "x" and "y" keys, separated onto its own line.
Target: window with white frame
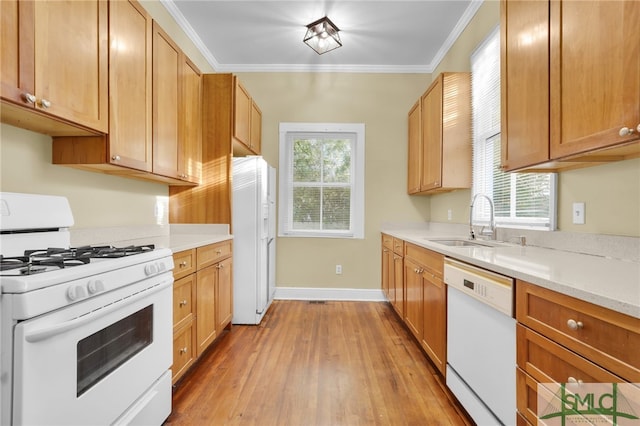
{"x": 321, "y": 180}
{"x": 521, "y": 200}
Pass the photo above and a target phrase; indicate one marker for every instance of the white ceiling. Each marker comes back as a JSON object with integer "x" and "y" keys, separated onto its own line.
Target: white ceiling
{"x": 403, "y": 36}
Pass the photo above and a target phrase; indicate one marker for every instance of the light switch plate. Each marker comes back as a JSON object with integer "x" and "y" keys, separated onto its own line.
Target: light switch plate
{"x": 578, "y": 213}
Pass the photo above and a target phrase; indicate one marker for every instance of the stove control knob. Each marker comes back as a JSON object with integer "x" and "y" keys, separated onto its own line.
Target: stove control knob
{"x": 96, "y": 286}
{"x": 161, "y": 267}
{"x": 76, "y": 292}
{"x": 151, "y": 269}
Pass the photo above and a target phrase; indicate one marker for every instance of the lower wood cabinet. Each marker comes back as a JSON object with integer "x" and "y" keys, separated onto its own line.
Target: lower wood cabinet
{"x": 426, "y": 301}
{"x": 393, "y": 272}
{"x": 202, "y": 301}
{"x": 561, "y": 339}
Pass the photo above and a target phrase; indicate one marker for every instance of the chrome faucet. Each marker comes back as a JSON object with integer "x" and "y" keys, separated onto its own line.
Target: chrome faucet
{"x": 492, "y": 233}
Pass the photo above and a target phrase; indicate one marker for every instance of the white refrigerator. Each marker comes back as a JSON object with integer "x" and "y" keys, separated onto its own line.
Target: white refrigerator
{"x": 254, "y": 244}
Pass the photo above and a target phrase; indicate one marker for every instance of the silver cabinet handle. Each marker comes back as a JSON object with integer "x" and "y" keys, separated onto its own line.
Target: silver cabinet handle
{"x": 574, "y": 380}
{"x": 183, "y": 351}
{"x": 574, "y": 325}
{"x": 625, "y": 131}
{"x": 115, "y": 158}
{"x": 183, "y": 303}
{"x": 183, "y": 264}
{"x": 29, "y": 98}
{"x": 45, "y": 103}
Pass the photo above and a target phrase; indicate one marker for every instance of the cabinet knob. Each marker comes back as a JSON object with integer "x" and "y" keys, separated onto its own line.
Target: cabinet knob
{"x": 183, "y": 351}
{"x": 183, "y": 264}
{"x": 574, "y": 325}
{"x": 115, "y": 158}
{"x": 45, "y": 103}
{"x": 574, "y": 381}
{"x": 218, "y": 251}
{"x": 625, "y": 131}
{"x": 29, "y": 98}
{"x": 220, "y": 266}
{"x": 183, "y": 303}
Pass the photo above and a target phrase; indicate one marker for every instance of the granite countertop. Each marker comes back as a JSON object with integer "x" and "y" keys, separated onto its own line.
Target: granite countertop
{"x": 611, "y": 283}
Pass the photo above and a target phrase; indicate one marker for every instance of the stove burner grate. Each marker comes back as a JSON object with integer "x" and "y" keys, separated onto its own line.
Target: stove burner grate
{"x": 42, "y": 260}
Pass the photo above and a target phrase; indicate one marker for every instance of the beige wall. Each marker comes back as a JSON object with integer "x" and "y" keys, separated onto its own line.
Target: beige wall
{"x": 381, "y": 102}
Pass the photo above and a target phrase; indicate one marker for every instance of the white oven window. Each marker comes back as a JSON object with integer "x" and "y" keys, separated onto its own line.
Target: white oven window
{"x": 102, "y": 352}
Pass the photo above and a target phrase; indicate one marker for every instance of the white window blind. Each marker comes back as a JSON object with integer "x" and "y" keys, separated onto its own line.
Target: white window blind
{"x": 520, "y": 199}
{"x": 321, "y": 180}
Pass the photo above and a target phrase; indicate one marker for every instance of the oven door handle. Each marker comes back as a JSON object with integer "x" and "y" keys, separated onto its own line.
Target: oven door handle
{"x": 54, "y": 330}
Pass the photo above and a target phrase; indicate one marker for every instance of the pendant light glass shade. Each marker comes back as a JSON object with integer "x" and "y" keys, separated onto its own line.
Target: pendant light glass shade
{"x": 322, "y": 36}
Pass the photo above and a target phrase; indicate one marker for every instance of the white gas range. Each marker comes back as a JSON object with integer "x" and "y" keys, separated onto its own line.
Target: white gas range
{"x": 86, "y": 333}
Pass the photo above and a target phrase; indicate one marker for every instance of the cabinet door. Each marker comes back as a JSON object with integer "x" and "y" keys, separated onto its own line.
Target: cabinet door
{"x": 413, "y": 306}
{"x": 17, "y": 52}
{"x": 166, "y": 95}
{"x": 386, "y": 262}
{"x": 71, "y": 42}
{"x": 130, "y": 81}
{"x": 205, "y": 308}
{"x": 524, "y": 83}
{"x": 398, "y": 281}
{"x": 414, "y": 150}
{"x": 54, "y": 58}
{"x": 432, "y": 137}
{"x": 595, "y": 74}
{"x": 256, "y": 128}
{"x": 189, "y": 153}
{"x": 435, "y": 319}
{"x": 241, "y": 114}
{"x": 225, "y": 293}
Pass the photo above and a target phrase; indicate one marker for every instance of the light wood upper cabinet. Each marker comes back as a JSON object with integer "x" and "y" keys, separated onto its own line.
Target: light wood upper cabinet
{"x": 255, "y": 140}
{"x": 247, "y": 121}
{"x": 241, "y": 114}
{"x": 524, "y": 83}
{"x": 129, "y": 140}
{"x": 570, "y": 83}
{"x": 55, "y": 66}
{"x": 166, "y": 94}
{"x": 444, "y": 130}
{"x": 190, "y": 115}
{"x": 154, "y": 125}
{"x": 414, "y": 149}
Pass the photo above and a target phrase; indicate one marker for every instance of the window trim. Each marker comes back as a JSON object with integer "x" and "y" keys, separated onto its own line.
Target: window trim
{"x": 285, "y": 175}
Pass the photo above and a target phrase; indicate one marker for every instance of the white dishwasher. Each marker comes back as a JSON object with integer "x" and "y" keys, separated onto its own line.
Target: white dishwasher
{"x": 481, "y": 343}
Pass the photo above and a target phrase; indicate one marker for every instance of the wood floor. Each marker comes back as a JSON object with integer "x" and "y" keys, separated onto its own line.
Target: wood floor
{"x": 337, "y": 363}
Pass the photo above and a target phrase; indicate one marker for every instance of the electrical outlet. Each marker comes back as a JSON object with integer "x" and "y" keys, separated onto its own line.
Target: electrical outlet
{"x": 338, "y": 269}
{"x": 578, "y": 213}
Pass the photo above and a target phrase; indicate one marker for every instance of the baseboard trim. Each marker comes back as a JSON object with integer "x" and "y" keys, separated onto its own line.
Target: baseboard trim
{"x": 342, "y": 294}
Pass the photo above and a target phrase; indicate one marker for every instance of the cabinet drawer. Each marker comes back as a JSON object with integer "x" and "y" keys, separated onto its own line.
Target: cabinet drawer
{"x": 208, "y": 255}
{"x": 387, "y": 241}
{"x": 398, "y": 246}
{"x": 608, "y": 338}
{"x": 548, "y": 362}
{"x": 183, "y": 300}
{"x": 184, "y": 263}
{"x": 183, "y": 355}
{"x": 427, "y": 258}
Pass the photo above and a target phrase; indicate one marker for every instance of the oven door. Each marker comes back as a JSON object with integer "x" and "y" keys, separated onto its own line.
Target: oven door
{"x": 94, "y": 364}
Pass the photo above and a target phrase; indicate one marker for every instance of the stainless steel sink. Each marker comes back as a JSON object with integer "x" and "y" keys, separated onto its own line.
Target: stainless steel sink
{"x": 459, "y": 242}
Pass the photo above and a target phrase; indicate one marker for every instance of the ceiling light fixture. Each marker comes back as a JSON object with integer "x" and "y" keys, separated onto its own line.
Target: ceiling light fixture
{"x": 322, "y": 36}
